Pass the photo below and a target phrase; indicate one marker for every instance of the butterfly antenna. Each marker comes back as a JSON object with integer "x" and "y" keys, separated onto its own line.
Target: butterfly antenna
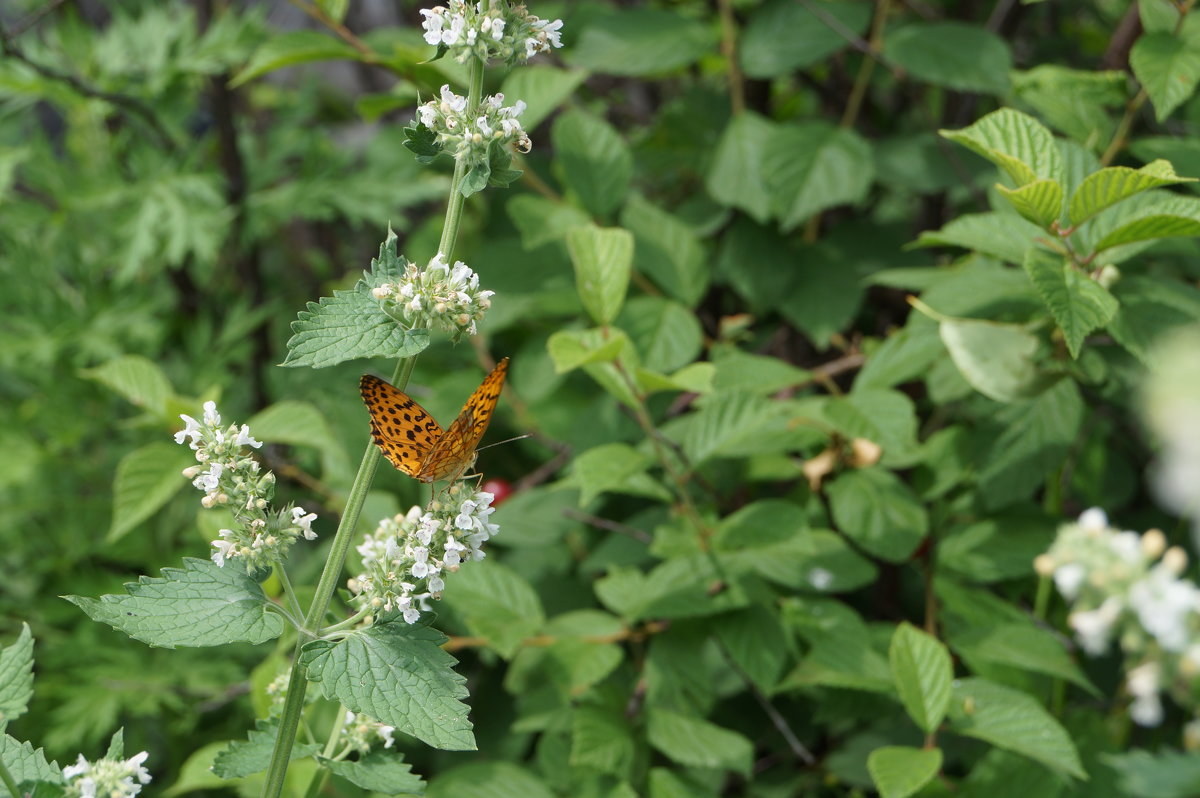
{"x": 509, "y": 440}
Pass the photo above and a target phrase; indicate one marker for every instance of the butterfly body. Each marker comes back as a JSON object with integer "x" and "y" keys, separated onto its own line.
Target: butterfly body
{"x": 414, "y": 442}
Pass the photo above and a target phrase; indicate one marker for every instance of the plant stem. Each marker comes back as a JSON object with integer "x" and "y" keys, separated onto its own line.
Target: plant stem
{"x": 9, "y": 782}
{"x": 455, "y": 205}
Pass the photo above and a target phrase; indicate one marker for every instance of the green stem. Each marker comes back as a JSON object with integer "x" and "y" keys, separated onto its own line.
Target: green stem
{"x": 293, "y": 705}
{"x": 289, "y": 592}
{"x": 455, "y": 205}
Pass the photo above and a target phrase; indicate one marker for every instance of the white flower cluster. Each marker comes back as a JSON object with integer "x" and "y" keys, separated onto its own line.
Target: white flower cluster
{"x": 503, "y": 30}
{"x": 110, "y": 778}
{"x": 437, "y": 296}
{"x": 360, "y": 732}
{"x": 405, "y": 557}
{"x": 470, "y": 132}
{"x": 1127, "y": 587}
{"x": 230, "y": 478}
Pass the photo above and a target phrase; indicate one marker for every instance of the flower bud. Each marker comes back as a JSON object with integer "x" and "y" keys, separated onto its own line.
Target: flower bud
{"x": 1154, "y": 542}
{"x": 1175, "y": 560}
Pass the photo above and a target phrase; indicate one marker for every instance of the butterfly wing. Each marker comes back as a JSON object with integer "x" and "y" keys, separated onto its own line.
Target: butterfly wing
{"x": 454, "y": 452}
{"x": 401, "y": 428}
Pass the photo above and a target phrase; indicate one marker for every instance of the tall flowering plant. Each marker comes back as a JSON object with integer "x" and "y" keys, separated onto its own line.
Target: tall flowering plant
{"x": 379, "y": 660}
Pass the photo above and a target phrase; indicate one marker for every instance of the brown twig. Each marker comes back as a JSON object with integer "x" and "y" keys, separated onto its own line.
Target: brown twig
{"x": 343, "y": 33}
{"x": 737, "y": 88}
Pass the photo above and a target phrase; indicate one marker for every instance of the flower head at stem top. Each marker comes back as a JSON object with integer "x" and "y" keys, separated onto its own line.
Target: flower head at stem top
{"x": 114, "y": 778}
{"x": 500, "y": 29}
{"x": 437, "y": 296}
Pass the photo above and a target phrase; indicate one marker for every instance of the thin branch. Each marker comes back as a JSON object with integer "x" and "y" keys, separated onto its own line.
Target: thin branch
{"x": 777, "y": 720}
{"x": 737, "y": 88}
{"x": 611, "y": 526}
{"x": 344, "y": 33}
{"x": 35, "y": 18}
{"x": 133, "y": 106}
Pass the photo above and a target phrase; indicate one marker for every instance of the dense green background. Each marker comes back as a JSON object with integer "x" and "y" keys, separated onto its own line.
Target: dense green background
{"x": 178, "y": 180}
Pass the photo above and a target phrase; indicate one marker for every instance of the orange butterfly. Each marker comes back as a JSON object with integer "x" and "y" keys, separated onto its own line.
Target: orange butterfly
{"x": 413, "y": 441}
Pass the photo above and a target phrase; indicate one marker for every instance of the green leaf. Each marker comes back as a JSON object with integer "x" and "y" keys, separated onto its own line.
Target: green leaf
{"x": 289, "y": 49}
{"x": 1000, "y": 235}
{"x": 575, "y": 660}
{"x": 351, "y": 324}
{"x": 753, "y": 639}
{"x": 904, "y": 356}
{"x": 497, "y": 603}
{"x": 726, "y": 423}
{"x": 666, "y": 334}
{"x": 571, "y": 349}
{"x": 736, "y": 177}
{"x": 740, "y": 371}
{"x": 641, "y": 41}
{"x": 136, "y": 378}
{"x": 379, "y": 771}
{"x": 543, "y": 89}
{"x": 398, "y": 674}
{"x": 16, "y": 676}
{"x": 593, "y": 160}
{"x": 1028, "y": 441}
{"x": 872, "y": 507}
{"x": 1169, "y": 217}
{"x": 488, "y": 780}
{"x": 26, "y": 765}
{"x": 1163, "y": 774}
{"x": 813, "y": 166}
{"x": 1168, "y": 68}
{"x": 294, "y": 423}
{"x": 998, "y": 360}
{"x": 613, "y": 468}
{"x": 201, "y": 604}
{"x": 1158, "y": 16}
{"x": 1016, "y": 142}
{"x": 842, "y": 654}
{"x": 602, "y": 258}
{"x": 601, "y": 739}
{"x": 695, "y": 742}
{"x": 783, "y": 36}
{"x": 667, "y": 250}
{"x": 681, "y": 587}
{"x": 146, "y": 479}
{"x": 1109, "y": 186}
{"x": 1014, "y": 721}
{"x": 1075, "y": 101}
{"x": 1020, "y": 646}
{"x": 694, "y": 378}
{"x": 922, "y": 669}
{"x": 1151, "y": 306}
{"x": 1040, "y": 201}
{"x": 1079, "y": 303}
{"x": 253, "y": 755}
{"x": 899, "y": 771}
{"x": 951, "y": 54}
{"x": 884, "y": 416}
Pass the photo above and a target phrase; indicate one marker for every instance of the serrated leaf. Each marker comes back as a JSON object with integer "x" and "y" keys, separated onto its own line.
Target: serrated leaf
{"x": 379, "y": 771}
{"x": 872, "y": 507}
{"x": 667, "y": 335}
{"x": 26, "y": 765}
{"x": 1020, "y": 646}
{"x": 497, "y": 603}
{"x": 1168, "y": 67}
{"x": 253, "y": 755}
{"x": 136, "y": 378}
{"x": 899, "y": 771}
{"x": 951, "y": 54}
{"x": 613, "y": 468}
{"x": 201, "y": 604}
{"x": 351, "y": 324}
{"x": 1109, "y": 186}
{"x": 752, "y": 638}
{"x": 725, "y": 422}
{"x": 667, "y": 251}
{"x": 1000, "y": 235}
{"x": 289, "y": 49}
{"x": 16, "y": 676}
{"x": 736, "y": 177}
{"x": 146, "y": 479}
{"x": 594, "y": 161}
{"x": 1079, "y": 304}
{"x": 695, "y": 742}
{"x": 1152, "y": 226}
{"x": 813, "y": 166}
{"x": 601, "y": 739}
{"x": 1040, "y": 201}
{"x": 641, "y": 41}
{"x": 603, "y": 260}
{"x": 1014, "y": 721}
{"x": 397, "y": 673}
{"x": 922, "y": 669}
{"x": 1016, "y": 142}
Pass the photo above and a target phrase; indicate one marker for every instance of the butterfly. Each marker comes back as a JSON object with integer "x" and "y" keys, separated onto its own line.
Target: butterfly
{"x": 414, "y": 442}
